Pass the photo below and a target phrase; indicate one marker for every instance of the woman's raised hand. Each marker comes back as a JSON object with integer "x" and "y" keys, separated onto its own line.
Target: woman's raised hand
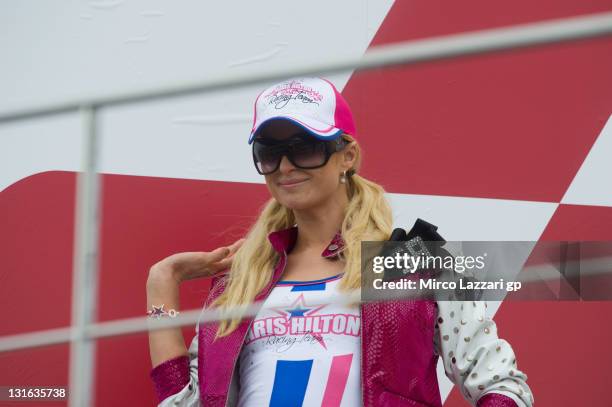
{"x": 190, "y": 265}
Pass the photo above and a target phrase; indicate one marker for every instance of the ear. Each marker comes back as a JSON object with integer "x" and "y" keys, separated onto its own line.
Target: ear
{"x": 349, "y": 155}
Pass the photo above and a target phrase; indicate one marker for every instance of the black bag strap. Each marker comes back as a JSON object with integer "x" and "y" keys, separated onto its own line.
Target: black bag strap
{"x": 422, "y": 234}
{"x": 428, "y": 232}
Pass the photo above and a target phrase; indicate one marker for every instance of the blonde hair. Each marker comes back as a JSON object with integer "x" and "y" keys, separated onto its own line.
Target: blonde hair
{"x": 368, "y": 217}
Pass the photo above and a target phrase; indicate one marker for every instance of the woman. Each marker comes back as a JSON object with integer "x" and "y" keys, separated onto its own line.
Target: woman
{"x": 312, "y": 352}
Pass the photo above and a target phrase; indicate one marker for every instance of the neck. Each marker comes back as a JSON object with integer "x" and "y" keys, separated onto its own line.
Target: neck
{"x": 318, "y": 225}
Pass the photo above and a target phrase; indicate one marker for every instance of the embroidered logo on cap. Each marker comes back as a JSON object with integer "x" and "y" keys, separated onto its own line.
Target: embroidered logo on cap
{"x": 295, "y": 90}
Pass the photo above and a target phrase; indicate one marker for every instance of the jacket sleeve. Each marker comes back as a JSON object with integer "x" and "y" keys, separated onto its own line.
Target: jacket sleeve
{"x": 176, "y": 380}
{"x": 475, "y": 359}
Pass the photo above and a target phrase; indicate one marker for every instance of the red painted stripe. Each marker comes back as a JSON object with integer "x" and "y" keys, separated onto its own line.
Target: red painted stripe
{"x": 513, "y": 125}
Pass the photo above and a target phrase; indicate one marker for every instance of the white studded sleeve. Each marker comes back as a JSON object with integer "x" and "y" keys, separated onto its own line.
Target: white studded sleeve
{"x": 475, "y": 359}
{"x": 189, "y": 396}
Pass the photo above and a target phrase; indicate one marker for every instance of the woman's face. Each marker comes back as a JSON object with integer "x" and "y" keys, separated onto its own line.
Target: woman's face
{"x": 301, "y": 189}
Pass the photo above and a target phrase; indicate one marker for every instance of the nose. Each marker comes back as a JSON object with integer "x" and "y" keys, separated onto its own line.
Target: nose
{"x": 285, "y": 164}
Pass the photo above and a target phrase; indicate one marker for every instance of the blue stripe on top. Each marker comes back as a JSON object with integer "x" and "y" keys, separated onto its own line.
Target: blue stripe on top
{"x": 290, "y": 382}
{"x": 309, "y": 285}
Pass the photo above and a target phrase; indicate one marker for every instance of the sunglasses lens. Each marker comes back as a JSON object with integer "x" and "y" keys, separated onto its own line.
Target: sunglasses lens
{"x": 309, "y": 154}
{"x": 267, "y": 157}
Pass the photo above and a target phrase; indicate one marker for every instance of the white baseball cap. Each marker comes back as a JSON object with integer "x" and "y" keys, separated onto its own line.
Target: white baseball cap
{"x": 312, "y": 103}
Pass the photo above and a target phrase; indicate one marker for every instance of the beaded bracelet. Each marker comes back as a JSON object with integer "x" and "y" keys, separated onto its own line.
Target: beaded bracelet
{"x": 158, "y": 312}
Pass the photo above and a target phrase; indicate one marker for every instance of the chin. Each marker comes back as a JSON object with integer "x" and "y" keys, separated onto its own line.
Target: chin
{"x": 294, "y": 203}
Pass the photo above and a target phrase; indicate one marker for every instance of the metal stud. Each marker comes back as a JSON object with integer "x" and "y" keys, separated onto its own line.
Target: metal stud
{"x": 445, "y": 337}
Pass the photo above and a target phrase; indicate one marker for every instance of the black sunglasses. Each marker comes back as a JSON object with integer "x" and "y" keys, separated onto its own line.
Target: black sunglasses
{"x": 303, "y": 151}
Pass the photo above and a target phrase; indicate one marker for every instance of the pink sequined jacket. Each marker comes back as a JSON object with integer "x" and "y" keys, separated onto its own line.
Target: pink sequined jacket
{"x": 401, "y": 342}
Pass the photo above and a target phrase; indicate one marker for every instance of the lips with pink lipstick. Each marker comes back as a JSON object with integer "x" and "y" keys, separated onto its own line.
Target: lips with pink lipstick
{"x": 292, "y": 182}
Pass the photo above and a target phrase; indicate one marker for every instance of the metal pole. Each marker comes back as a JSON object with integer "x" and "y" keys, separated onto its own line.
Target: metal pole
{"x": 85, "y": 273}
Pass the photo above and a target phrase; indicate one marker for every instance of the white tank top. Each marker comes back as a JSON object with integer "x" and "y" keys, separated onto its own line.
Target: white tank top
{"x": 304, "y": 353}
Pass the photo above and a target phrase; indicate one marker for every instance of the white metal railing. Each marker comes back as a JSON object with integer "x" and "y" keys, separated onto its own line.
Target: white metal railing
{"x": 541, "y": 273}
{"x": 83, "y": 330}
{"x": 401, "y": 53}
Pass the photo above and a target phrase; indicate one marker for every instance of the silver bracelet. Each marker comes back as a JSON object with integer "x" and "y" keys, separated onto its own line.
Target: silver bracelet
{"x": 158, "y": 312}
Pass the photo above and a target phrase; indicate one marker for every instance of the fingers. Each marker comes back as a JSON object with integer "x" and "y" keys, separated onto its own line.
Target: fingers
{"x": 236, "y": 245}
{"x": 221, "y": 252}
{"x": 225, "y": 263}
{"x": 218, "y": 254}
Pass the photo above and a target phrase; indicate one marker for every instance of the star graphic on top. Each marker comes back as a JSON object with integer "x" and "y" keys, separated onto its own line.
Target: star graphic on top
{"x": 297, "y": 311}
{"x": 319, "y": 338}
{"x": 298, "y": 308}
